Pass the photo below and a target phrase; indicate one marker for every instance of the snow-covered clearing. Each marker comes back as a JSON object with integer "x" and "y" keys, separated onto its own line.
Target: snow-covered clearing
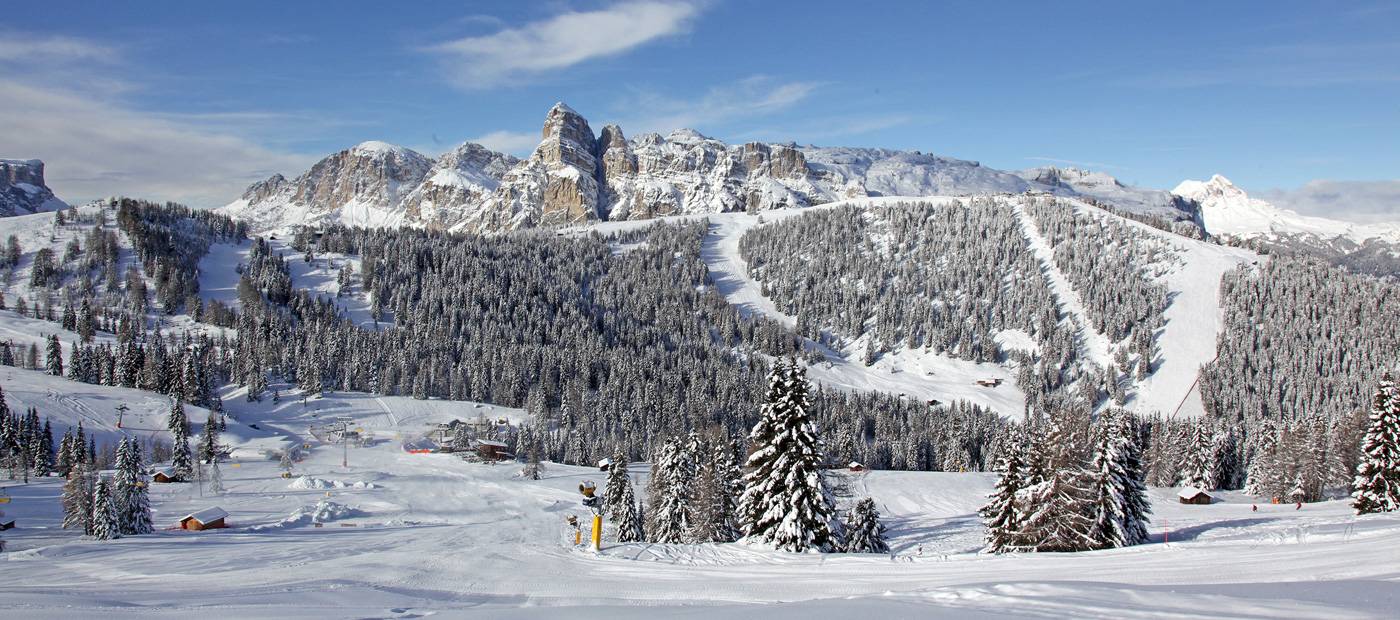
{"x": 219, "y": 281}
{"x": 408, "y": 535}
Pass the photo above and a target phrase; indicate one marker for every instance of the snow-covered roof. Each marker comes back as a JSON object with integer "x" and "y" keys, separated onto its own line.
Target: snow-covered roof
{"x": 492, "y": 442}
{"x": 208, "y": 515}
{"x": 168, "y": 471}
{"x": 1189, "y": 492}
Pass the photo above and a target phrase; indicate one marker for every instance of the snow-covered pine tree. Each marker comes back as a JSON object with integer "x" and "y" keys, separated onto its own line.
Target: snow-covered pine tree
{"x": 180, "y": 458}
{"x": 668, "y": 495}
{"x": 53, "y": 360}
{"x": 77, "y": 500}
{"x": 1002, "y": 514}
{"x": 131, "y": 499}
{"x": 786, "y": 502}
{"x": 1199, "y": 469}
{"x": 209, "y": 440}
{"x": 1117, "y": 496}
{"x": 620, "y": 502}
{"x": 104, "y": 512}
{"x": 864, "y": 532}
{"x": 216, "y": 478}
{"x": 1055, "y": 507}
{"x": 617, "y": 482}
{"x": 1377, "y": 484}
{"x": 718, "y": 487}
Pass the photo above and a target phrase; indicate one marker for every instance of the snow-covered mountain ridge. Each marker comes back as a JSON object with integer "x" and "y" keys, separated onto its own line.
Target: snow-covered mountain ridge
{"x": 576, "y": 176}
{"x": 1228, "y": 211}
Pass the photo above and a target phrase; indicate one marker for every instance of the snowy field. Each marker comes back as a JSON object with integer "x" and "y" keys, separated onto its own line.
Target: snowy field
{"x": 412, "y": 535}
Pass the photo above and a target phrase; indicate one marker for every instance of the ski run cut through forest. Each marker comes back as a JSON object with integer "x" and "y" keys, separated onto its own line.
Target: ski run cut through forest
{"x": 993, "y": 405}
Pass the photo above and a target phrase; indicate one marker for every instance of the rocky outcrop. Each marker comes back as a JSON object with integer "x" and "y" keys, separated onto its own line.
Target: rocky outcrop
{"x": 575, "y": 177}
{"x": 377, "y": 184}
{"x": 22, "y": 188}
{"x": 465, "y": 176}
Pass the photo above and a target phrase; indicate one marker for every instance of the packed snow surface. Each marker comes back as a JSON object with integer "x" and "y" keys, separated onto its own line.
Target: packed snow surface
{"x": 436, "y": 535}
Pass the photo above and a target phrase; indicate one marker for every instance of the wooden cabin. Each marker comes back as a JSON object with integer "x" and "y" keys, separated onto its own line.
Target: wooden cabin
{"x": 855, "y": 467}
{"x": 207, "y": 519}
{"x": 492, "y": 450}
{"x": 989, "y": 382}
{"x": 163, "y": 475}
{"x": 1193, "y": 495}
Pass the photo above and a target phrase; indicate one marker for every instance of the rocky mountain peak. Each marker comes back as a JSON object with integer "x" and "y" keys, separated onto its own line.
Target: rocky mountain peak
{"x": 22, "y": 188}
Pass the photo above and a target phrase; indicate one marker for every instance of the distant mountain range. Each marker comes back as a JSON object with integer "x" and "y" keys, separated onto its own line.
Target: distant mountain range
{"x": 576, "y": 176}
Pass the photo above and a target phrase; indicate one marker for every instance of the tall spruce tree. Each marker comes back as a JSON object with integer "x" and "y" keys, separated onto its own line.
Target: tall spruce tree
{"x": 786, "y": 502}
{"x": 180, "y": 458}
{"x": 77, "y": 500}
{"x": 1002, "y": 514}
{"x": 669, "y": 495}
{"x": 104, "y": 512}
{"x": 1117, "y": 501}
{"x": 132, "y": 501}
{"x": 1055, "y": 514}
{"x": 620, "y": 502}
{"x": 864, "y": 532}
{"x": 1377, "y": 484}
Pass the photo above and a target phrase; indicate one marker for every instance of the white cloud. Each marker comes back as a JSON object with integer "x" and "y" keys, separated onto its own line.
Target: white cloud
{"x": 513, "y": 142}
{"x": 60, "y": 98}
{"x": 751, "y": 97}
{"x": 19, "y": 47}
{"x": 561, "y": 41}
{"x": 93, "y": 148}
{"x": 1359, "y": 201}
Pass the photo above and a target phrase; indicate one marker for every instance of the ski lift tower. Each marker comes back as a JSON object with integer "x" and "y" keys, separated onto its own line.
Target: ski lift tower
{"x": 344, "y": 422}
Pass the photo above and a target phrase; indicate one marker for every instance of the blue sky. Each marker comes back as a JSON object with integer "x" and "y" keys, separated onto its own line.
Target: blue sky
{"x": 189, "y": 101}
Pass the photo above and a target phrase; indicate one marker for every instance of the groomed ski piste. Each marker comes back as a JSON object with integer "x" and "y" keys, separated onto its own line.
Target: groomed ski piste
{"x": 412, "y": 535}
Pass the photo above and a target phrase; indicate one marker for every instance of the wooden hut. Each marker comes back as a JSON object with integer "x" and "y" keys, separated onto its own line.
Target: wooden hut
{"x": 1193, "y": 495}
{"x": 163, "y": 475}
{"x": 491, "y": 450}
{"x": 207, "y": 519}
{"x": 855, "y": 467}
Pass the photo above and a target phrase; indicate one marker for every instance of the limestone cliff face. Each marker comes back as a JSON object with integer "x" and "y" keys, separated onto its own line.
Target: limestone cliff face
{"x": 574, "y": 177}
{"x": 22, "y": 188}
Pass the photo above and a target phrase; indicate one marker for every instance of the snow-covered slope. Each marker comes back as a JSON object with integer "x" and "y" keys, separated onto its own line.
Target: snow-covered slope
{"x": 22, "y": 188}
{"x": 1228, "y": 211}
{"x": 416, "y": 535}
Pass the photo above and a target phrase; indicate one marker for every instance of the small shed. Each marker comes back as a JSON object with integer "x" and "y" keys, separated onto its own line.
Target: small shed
{"x": 491, "y": 449}
{"x": 163, "y": 475}
{"x": 989, "y": 382}
{"x": 605, "y": 465}
{"x": 207, "y": 519}
{"x": 1193, "y": 495}
{"x": 855, "y": 466}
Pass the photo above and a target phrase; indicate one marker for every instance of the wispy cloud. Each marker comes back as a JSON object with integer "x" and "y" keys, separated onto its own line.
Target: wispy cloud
{"x": 1360, "y": 201}
{"x": 20, "y": 47}
{"x": 561, "y": 41}
{"x": 63, "y": 104}
{"x": 751, "y": 97}
{"x": 513, "y": 142}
